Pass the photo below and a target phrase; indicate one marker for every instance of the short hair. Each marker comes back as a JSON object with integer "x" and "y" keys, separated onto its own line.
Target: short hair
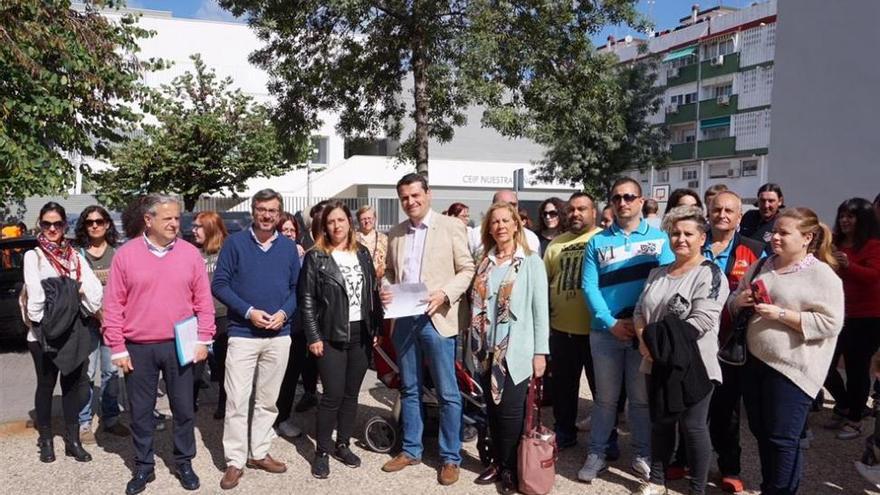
{"x": 650, "y": 207}
{"x": 626, "y": 180}
{"x": 676, "y": 196}
{"x": 153, "y": 201}
{"x": 264, "y": 195}
{"x": 214, "y": 229}
{"x": 495, "y": 196}
{"x": 519, "y": 238}
{"x": 455, "y": 209}
{"x": 81, "y": 233}
{"x": 365, "y": 209}
{"x": 728, "y": 193}
{"x": 714, "y": 190}
{"x": 285, "y": 217}
{"x": 322, "y": 243}
{"x": 582, "y": 194}
{"x": 412, "y": 178}
{"x": 770, "y": 187}
{"x": 53, "y": 206}
{"x": 682, "y": 213}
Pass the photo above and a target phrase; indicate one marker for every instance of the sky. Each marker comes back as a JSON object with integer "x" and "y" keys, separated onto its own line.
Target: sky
{"x": 663, "y": 13}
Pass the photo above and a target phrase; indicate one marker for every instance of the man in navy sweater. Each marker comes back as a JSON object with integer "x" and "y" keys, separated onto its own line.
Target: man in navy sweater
{"x": 255, "y": 277}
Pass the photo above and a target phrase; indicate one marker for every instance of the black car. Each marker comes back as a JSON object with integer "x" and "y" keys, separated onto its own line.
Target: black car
{"x": 12, "y": 251}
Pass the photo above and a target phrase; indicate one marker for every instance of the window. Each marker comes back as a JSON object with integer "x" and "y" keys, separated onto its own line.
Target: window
{"x": 690, "y": 173}
{"x": 319, "y": 147}
{"x": 683, "y": 99}
{"x": 662, "y": 176}
{"x": 722, "y": 90}
{"x": 678, "y": 63}
{"x": 681, "y": 135}
{"x": 366, "y": 147}
{"x": 749, "y": 168}
{"x": 720, "y": 132}
{"x": 719, "y": 170}
{"x": 721, "y": 47}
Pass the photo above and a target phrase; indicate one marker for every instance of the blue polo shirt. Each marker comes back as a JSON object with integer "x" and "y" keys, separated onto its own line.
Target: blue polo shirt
{"x": 721, "y": 258}
{"x": 616, "y": 266}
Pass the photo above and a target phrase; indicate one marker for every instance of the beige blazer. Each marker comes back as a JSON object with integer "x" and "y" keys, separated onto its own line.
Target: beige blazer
{"x": 447, "y": 265}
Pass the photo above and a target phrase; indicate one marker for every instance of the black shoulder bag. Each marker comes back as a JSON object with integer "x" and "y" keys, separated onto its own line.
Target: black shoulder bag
{"x": 733, "y": 351}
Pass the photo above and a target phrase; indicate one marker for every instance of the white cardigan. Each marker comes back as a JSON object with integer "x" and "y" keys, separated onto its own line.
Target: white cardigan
{"x": 37, "y": 268}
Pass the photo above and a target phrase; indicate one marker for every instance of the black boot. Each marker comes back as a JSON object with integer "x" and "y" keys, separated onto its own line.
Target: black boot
{"x": 72, "y": 446}
{"x": 46, "y": 445}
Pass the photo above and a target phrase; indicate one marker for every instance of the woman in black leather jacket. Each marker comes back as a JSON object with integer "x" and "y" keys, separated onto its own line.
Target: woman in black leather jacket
{"x": 341, "y": 316}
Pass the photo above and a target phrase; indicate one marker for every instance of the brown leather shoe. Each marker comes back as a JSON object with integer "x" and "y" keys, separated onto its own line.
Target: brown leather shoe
{"x": 231, "y": 477}
{"x": 267, "y": 464}
{"x": 489, "y": 476}
{"x": 448, "y": 474}
{"x": 399, "y": 462}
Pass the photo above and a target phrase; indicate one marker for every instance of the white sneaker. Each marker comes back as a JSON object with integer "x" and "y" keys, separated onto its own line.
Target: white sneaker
{"x": 642, "y": 467}
{"x": 585, "y": 424}
{"x": 650, "y": 489}
{"x": 289, "y": 430}
{"x": 592, "y": 467}
{"x": 870, "y": 473}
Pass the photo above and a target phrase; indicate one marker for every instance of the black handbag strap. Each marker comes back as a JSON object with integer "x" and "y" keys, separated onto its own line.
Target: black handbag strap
{"x": 533, "y": 405}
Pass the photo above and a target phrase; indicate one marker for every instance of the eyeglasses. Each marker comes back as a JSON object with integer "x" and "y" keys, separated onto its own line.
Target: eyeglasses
{"x": 629, "y": 198}
{"x": 197, "y": 226}
{"x": 267, "y": 211}
{"x": 551, "y": 213}
{"x": 97, "y": 222}
{"x": 59, "y": 225}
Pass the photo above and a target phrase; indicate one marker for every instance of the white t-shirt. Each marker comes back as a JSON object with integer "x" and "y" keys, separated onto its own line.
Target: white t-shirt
{"x": 354, "y": 281}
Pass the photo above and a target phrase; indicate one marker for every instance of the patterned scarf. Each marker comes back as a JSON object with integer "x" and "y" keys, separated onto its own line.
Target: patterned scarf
{"x": 481, "y": 338}
{"x": 61, "y": 256}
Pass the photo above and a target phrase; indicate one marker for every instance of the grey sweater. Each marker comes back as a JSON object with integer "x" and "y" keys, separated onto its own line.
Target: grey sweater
{"x": 816, "y": 292}
{"x": 696, "y": 297}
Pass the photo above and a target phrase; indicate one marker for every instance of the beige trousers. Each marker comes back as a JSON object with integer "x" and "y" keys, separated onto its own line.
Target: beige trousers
{"x": 267, "y": 357}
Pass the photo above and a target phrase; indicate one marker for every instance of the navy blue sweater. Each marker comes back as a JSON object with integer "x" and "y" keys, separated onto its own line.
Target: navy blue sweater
{"x": 245, "y": 276}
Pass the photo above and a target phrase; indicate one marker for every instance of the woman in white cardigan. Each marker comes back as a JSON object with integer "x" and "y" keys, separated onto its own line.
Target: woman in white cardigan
{"x": 791, "y": 338}
{"x": 55, "y": 257}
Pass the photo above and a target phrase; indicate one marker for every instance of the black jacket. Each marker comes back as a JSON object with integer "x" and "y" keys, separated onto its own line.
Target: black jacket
{"x": 323, "y": 301}
{"x": 63, "y": 331}
{"x": 678, "y": 376}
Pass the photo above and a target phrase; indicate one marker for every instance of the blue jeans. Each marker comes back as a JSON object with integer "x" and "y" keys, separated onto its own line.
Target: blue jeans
{"x": 109, "y": 387}
{"x": 777, "y": 410}
{"x": 418, "y": 344}
{"x": 616, "y": 362}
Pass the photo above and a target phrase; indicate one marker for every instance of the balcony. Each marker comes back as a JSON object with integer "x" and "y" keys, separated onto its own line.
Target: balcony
{"x": 686, "y": 74}
{"x": 730, "y": 65}
{"x": 683, "y": 151}
{"x": 717, "y": 147}
{"x": 685, "y": 113}
{"x": 710, "y": 108}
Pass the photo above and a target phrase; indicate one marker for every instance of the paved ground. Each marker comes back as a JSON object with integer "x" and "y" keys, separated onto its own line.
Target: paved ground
{"x": 829, "y": 461}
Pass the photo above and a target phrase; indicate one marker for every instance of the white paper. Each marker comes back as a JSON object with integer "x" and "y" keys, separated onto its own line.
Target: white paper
{"x": 186, "y": 336}
{"x": 407, "y": 300}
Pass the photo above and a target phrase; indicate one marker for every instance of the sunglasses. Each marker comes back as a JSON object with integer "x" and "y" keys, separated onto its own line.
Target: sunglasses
{"x": 97, "y": 223}
{"x": 629, "y": 198}
{"x": 59, "y": 225}
{"x": 551, "y": 214}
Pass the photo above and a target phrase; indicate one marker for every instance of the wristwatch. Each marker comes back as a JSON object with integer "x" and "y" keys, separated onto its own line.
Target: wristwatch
{"x": 781, "y": 314}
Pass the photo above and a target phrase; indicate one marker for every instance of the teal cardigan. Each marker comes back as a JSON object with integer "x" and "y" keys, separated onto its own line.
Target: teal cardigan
{"x": 530, "y": 318}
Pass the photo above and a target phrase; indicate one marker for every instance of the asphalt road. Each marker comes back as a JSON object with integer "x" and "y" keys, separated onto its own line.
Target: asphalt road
{"x": 829, "y": 461}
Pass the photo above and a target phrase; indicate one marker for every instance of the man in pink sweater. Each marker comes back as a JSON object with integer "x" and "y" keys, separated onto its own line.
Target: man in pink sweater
{"x": 156, "y": 281}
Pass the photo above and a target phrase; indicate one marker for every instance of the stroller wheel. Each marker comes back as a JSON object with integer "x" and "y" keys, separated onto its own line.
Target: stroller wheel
{"x": 380, "y": 434}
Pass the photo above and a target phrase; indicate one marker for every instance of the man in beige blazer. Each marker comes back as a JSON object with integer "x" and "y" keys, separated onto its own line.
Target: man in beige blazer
{"x": 432, "y": 249}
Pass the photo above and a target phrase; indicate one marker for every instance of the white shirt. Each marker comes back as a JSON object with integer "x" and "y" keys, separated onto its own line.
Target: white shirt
{"x": 353, "y": 274}
{"x": 475, "y": 242}
{"x": 37, "y": 268}
{"x": 158, "y": 251}
{"x": 414, "y": 249}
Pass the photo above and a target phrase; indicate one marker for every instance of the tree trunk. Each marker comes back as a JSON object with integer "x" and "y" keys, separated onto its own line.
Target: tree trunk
{"x": 420, "y": 84}
{"x": 189, "y": 201}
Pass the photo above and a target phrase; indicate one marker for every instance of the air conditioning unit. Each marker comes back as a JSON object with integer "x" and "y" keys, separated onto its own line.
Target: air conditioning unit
{"x": 672, "y": 72}
{"x": 671, "y": 108}
{"x": 719, "y": 60}
{"x": 723, "y": 100}
{"x": 733, "y": 173}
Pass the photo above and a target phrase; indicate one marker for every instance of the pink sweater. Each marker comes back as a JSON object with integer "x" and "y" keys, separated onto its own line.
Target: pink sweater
{"x": 146, "y": 295}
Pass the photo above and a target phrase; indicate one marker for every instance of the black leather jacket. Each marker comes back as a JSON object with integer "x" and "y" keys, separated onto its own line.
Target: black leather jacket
{"x": 323, "y": 301}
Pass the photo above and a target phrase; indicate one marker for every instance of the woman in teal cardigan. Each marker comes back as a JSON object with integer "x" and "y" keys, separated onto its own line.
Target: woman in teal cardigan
{"x": 509, "y": 334}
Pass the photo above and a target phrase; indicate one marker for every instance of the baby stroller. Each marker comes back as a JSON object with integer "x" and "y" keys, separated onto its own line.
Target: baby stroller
{"x": 383, "y": 434}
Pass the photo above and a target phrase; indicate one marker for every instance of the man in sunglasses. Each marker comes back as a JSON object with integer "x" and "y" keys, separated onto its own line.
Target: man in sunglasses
{"x": 617, "y": 262}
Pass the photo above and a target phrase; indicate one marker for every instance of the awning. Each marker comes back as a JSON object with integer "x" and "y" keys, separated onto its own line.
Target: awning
{"x": 716, "y": 122}
{"x": 684, "y": 52}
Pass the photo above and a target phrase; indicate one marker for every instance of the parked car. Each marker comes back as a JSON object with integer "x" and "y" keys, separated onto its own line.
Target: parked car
{"x": 12, "y": 328}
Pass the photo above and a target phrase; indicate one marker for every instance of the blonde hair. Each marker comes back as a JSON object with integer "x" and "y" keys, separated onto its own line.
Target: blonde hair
{"x": 365, "y": 209}
{"x": 519, "y": 238}
{"x": 808, "y": 223}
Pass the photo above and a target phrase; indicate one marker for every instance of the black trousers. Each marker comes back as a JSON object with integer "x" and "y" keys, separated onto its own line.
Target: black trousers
{"x": 217, "y": 359}
{"x": 857, "y": 342}
{"x": 570, "y": 355}
{"x": 724, "y": 414}
{"x": 692, "y": 423}
{"x": 148, "y": 360}
{"x": 342, "y": 369}
{"x": 300, "y": 364}
{"x": 74, "y": 388}
{"x": 506, "y": 419}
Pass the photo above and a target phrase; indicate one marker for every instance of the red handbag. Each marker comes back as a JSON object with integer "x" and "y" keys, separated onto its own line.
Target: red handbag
{"x": 536, "y": 459}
